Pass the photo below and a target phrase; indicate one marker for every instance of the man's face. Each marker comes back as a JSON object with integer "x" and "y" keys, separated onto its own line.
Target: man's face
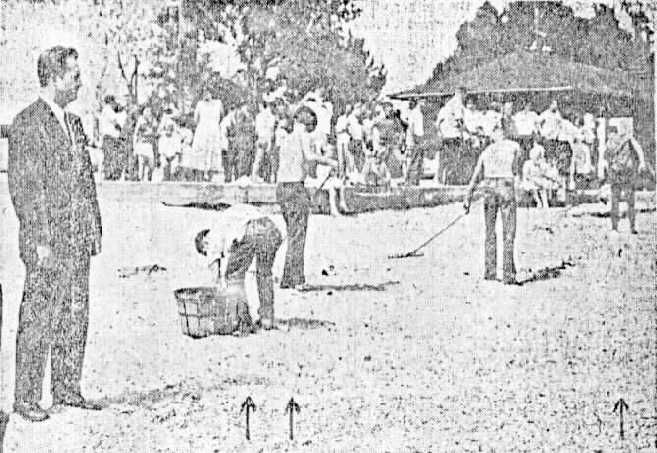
{"x": 310, "y": 127}
{"x": 68, "y": 85}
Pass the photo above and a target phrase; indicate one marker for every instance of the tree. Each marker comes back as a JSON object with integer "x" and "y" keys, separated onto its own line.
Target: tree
{"x": 304, "y": 41}
{"x": 547, "y": 26}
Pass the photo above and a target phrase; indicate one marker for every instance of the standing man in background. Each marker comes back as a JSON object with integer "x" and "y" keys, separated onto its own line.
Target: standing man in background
{"x": 626, "y": 161}
{"x": 53, "y": 191}
{"x": 295, "y": 155}
{"x": 414, "y": 136}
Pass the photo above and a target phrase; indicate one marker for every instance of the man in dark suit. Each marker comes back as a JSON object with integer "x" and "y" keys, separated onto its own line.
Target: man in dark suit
{"x": 53, "y": 191}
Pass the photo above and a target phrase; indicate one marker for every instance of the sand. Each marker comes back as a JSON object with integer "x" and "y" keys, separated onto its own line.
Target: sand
{"x": 441, "y": 361}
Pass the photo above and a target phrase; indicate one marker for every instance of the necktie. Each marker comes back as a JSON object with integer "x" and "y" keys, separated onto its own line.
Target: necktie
{"x": 68, "y": 127}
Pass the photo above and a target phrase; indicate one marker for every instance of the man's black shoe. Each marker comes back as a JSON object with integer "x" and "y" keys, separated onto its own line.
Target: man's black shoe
{"x": 78, "y": 401}
{"x": 31, "y": 411}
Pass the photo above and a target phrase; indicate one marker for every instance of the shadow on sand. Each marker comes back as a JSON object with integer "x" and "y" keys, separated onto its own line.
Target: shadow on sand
{"x": 304, "y": 323}
{"x": 546, "y": 273}
{"x": 349, "y": 287}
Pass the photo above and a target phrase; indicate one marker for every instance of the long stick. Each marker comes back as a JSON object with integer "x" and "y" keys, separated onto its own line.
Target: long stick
{"x": 449, "y": 225}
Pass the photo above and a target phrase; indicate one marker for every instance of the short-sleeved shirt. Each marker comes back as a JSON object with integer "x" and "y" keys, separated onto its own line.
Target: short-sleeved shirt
{"x": 231, "y": 226}
{"x": 550, "y": 124}
{"x": 449, "y": 117}
{"x": 525, "y": 122}
{"x": 499, "y": 158}
{"x": 264, "y": 125}
{"x": 292, "y": 155}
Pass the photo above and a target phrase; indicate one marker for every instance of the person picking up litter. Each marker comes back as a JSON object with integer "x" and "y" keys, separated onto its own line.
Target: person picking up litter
{"x": 243, "y": 233}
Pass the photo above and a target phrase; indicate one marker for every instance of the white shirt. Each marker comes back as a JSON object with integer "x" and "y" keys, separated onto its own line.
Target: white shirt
{"x": 264, "y": 125}
{"x": 448, "y": 117}
{"x": 491, "y": 119}
{"x": 324, "y": 112}
{"x": 567, "y": 131}
{"x": 342, "y": 125}
{"x": 231, "y": 226}
{"x": 109, "y": 120}
{"x": 525, "y": 122}
{"x": 293, "y": 155}
{"x": 550, "y": 124}
{"x": 355, "y": 128}
{"x": 473, "y": 120}
{"x": 58, "y": 111}
{"x": 415, "y": 120}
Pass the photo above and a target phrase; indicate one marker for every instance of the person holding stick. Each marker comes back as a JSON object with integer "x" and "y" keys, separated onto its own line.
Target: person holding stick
{"x": 498, "y": 165}
{"x": 295, "y": 155}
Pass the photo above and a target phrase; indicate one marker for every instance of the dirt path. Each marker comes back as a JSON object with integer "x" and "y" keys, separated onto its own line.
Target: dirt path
{"x": 441, "y": 361}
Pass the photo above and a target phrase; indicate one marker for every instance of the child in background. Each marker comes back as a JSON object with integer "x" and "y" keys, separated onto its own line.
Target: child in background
{"x": 376, "y": 172}
{"x": 169, "y": 144}
{"x": 244, "y": 233}
{"x": 187, "y": 137}
{"x": 145, "y": 136}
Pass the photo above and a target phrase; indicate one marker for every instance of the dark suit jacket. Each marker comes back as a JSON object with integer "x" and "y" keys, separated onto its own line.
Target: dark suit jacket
{"x": 51, "y": 184}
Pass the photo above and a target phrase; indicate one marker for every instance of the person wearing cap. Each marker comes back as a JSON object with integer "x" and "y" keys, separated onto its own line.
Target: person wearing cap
{"x": 296, "y": 153}
{"x": 243, "y": 235}
{"x": 498, "y": 166}
{"x": 625, "y": 160}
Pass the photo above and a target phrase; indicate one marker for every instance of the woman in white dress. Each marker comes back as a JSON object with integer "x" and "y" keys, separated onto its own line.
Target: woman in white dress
{"x": 205, "y": 155}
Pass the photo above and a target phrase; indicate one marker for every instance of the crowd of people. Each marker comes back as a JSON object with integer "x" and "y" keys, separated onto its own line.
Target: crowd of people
{"x": 558, "y": 152}
{"x": 243, "y": 143}
{"x": 51, "y": 183}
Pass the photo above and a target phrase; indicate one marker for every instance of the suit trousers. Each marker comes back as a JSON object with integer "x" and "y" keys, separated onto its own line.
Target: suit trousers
{"x": 499, "y": 195}
{"x": 261, "y": 240}
{"x": 54, "y": 316}
{"x": 295, "y": 207}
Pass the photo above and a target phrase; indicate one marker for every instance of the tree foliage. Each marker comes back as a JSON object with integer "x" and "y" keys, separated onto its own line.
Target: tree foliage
{"x": 546, "y": 26}
{"x": 303, "y": 41}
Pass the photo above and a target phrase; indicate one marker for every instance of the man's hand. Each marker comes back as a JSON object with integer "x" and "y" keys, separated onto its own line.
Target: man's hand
{"x": 96, "y": 246}
{"x": 466, "y": 205}
{"x": 44, "y": 256}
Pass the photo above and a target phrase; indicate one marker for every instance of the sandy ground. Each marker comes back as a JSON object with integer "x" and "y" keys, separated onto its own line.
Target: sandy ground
{"x": 441, "y": 361}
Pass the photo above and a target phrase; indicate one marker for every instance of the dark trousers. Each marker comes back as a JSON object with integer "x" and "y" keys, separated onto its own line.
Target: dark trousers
{"x": 415, "y": 164}
{"x": 245, "y": 157}
{"x": 295, "y": 207}
{"x": 229, "y": 158}
{"x": 617, "y": 188}
{"x": 261, "y": 240}
{"x": 269, "y": 167}
{"x": 54, "y": 315}
{"x": 499, "y": 195}
{"x": 356, "y": 148}
{"x": 114, "y": 158}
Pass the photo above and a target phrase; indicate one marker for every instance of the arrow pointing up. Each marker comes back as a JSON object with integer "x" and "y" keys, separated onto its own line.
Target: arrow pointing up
{"x": 620, "y": 407}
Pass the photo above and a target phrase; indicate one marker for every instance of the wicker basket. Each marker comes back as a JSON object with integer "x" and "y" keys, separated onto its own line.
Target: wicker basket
{"x": 206, "y": 311}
